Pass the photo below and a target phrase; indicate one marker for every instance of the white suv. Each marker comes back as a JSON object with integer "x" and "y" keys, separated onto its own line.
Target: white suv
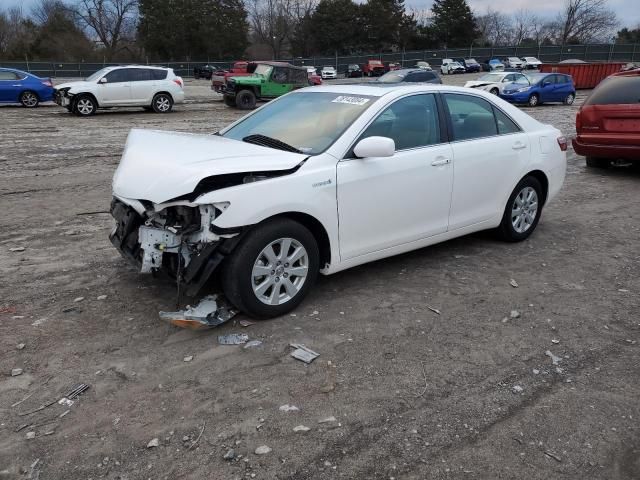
{"x": 152, "y": 88}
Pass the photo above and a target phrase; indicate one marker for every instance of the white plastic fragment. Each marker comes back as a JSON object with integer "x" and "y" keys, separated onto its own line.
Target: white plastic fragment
{"x": 330, "y": 419}
{"x": 303, "y": 353}
{"x": 153, "y": 443}
{"x": 513, "y": 283}
{"x": 262, "y": 450}
{"x": 301, "y": 428}
{"x": 554, "y": 359}
{"x": 288, "y": 408}
{"x": 233, "y": 339}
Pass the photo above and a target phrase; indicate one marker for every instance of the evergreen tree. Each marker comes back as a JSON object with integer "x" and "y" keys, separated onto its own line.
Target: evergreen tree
{"x": 334, "y": 26}
{"x": 453, "y": 23}
{"x": 385, "y": 24}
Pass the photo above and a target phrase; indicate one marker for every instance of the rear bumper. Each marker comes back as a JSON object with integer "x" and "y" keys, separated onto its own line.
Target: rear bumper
{"x": 626, "y": 152}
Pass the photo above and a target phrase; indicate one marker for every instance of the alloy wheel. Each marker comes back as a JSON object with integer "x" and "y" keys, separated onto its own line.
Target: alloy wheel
{"x": 280, "y": 271}
{"x": 163, "y": 104}
{"x": 524, "y": 209}
{"x": 29, "y": 99}
{"x": 85, "y": 106}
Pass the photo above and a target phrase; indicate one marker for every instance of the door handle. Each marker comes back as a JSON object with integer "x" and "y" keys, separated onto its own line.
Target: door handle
{"x": 439, "y": 161}
{"x": 519, "y": 146}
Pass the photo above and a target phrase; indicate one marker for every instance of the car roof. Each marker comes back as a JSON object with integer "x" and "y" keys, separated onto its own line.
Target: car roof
{"x": 411, "y": 70}
{"x": 14, "y": 70}
{"x": 627, "y": 73}
{"x": 372, "y": 89}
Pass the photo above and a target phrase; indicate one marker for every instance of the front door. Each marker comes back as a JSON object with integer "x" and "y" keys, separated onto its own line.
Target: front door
{"x": 278, "y": 84}
{"x": 117, "y": 89}
{"x": 385, "y": 202}
{"x": 9, "y": 86}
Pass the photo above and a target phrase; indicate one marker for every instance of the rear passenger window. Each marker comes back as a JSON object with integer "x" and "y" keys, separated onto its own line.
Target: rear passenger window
{"x": 505, "y": 124}
{"x": 411, "y": 122}
{"x": 8, "y": 76}
{"x": 157, "y": 74}
{"x": 471, "y": 117}
{"x": 616, "y": 91}
{"x": 140, "y": 74}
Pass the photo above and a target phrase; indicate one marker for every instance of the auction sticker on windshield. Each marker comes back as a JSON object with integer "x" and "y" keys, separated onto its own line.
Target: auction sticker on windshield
{"x": 350, "y": 100}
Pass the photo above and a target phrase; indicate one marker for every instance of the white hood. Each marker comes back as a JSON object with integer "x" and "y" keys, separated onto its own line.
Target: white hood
{"x": 159, "y": 166}
{"x": 80, "y": 83}
{"x": 478, "y": 83}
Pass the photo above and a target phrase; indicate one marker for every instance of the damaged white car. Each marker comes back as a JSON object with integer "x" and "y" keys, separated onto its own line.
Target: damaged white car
{"x": 267, "y": 203}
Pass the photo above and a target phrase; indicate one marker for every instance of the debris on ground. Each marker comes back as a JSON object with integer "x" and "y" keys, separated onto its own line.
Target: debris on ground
{"x": 209, "y": 312}
{"x": 517, "y": 389}
{"x": 74, "y": 393}
{"x": 330, "y": 419}
{"x": 17, "y": 249}
{"x": 233, "y": 339}
{"x": 230, "y": 455}
{"x": 514, "y": 314}
{"x": 246, "y": 323}
{"x": 303, "y": 353}
{"x": 555, "y": 341}
{"x": 434, "y": 310}
{"x": 552, "y": 455}
{"x": 513, "y": 283}
{"x": 188, "y": 358}
{"x": 554, "y": 359}
{"x": 288, "y": 408}
{"x": 20, "y": 346}
{"x": 536, "y": 371}
{"x": 31, "y": 435}
{"x": 78, "y": 299}
{"x": 102, "y": 297}
{"x": 253, "y": 344}
{"x": 10, "y": 309}
{"x": 199, "y": 436}
{"x": 16, "y": 371}
{"x": 301, "y": 428}
{"x": 262, "y": 450}
{"x": 153, "y": 443}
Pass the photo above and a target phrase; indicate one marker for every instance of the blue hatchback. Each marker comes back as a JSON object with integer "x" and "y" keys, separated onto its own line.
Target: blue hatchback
{"x": 544, "y": 87}
{"x": 17, "y": 86}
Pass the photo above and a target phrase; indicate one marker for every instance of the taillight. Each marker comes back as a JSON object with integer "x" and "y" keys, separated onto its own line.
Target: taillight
{"x": 178, "y": 81}
{"x": 47, "y": 83}
{"x": 562, "y": 142}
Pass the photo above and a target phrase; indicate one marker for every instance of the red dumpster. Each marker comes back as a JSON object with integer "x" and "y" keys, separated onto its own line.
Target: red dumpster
{"x": 585, "y": 75}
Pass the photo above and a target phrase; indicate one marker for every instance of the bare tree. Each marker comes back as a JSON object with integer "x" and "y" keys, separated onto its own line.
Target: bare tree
{"x": 585, "y": 20}
{"x": 522, "y": 26}
{"x": 495, "y": 28}
{"x": 111, "y": 21}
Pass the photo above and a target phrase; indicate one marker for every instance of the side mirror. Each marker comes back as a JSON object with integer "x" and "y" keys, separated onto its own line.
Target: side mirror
{"x": 375, "y": 147}
{"x": 103, "y": 80}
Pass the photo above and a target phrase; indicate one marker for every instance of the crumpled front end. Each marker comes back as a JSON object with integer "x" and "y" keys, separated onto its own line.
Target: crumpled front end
{"x": 177, "y": 239}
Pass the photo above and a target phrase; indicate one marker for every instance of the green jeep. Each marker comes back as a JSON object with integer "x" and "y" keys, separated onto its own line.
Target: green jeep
{"x": 268, "y": 80}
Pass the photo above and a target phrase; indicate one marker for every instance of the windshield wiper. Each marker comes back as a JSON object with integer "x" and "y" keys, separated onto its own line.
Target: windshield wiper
{"x": 264, "y": 141}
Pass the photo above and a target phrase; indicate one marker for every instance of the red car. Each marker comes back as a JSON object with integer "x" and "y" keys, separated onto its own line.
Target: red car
{"x": 373, "y": 68}
{"x": 608, "y": 123}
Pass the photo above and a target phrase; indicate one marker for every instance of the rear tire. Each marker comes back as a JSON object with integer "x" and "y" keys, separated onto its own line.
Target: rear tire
{"x": 534, "y": 100}
{"x": 569, "y": 99}
{"x": 595, "y": 162}
{"x": 263, "y": 280}
{"x": 29, "y": 99}
{"x": 162, "y": 103}
{"x": 246, "y": 100}
{"x": 523, "y": 210}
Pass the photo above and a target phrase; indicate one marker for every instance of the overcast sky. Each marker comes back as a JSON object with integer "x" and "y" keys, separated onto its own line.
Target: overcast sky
{"x": 628, "y": 11}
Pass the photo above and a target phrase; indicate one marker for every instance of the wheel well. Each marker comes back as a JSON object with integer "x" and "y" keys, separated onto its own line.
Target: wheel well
{"x": 166, "y": 93}
{"x": 252, "y": 89}
{"x": 317, "y": 230}
{"x": 29, "y": 90}
{"x": 542, "y": 178}
{"x": 86, "y": 94}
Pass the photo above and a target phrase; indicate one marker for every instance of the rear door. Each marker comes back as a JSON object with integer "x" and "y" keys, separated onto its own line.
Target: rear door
{"x": 547, "y": 89}
{"x": 142, "y": 85}
{"x": 611, "y": 115}
{"x": 10, "y": 85}
{"x": 278, "y": 84}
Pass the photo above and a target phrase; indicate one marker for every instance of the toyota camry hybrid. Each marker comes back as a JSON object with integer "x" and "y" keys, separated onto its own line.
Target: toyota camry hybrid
{"x": 277, "y": 197}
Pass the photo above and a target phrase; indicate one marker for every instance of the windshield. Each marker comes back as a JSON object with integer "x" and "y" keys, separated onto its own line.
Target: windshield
{"x": 289, "y": 120}
{"x": 471, "y": 61}
{"x": 262, "y": 69}
{"x": 391, "y": 77}
{"x": 99, "y": 74}
{"x": 514, "y": 59}
{"x": 492, "y": 77}
{"x": 535, "y": 77}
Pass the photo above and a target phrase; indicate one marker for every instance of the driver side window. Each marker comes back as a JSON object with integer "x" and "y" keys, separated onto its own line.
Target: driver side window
{"x": 279, "y": 75}
{"x": 117, "y": 76}
{"x": 410, "y": 122}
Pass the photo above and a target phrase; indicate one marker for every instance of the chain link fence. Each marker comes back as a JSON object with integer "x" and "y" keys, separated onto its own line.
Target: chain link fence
{"x": 547, "y": 54}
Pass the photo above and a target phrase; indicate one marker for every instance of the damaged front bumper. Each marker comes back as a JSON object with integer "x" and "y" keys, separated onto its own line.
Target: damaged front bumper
{"x": 177, "y": 239}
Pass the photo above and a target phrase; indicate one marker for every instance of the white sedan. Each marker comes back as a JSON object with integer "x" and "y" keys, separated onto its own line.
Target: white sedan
{"x": 494, "y": 82}
{"x": 279, "y": 196}
{"x": 328, "y": 73}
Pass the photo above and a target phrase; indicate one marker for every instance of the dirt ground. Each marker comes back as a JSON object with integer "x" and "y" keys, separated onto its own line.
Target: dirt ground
{"x": 466, "y": 393}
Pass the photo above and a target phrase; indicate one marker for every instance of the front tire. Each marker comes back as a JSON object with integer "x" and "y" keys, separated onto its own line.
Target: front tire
{"x": 523, "y": 210}
{"x": 595, "y": 162}
{"x": 85, "y": 106}
{"x": 246, "y": 100}
{"x": 534, "y": 100}
{"x": 29, "y": 99}
{"x": 494, "y": 91}
{"x": 162, "y": 103}
{"x": 272, "y": 269}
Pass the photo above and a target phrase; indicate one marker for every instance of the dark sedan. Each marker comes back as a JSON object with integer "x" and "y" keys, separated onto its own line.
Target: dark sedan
{"x": 17, "y": 86}
{"x": 413, "y": 75}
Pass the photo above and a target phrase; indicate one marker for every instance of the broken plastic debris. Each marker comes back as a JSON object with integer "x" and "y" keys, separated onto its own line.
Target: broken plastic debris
{"x": 513, "y": 283}
{"x": 517, "y": 389}
{"x": 288, "y": 408}
{"x": 17, "y": 249}
{"x": 262, "y": 450}
{"x": 555, "y": 360}
{"x": 153, "y": 443}
{"x": 233, "y": 339}
{"x": 434, "y": 310}
{"x": 246, "y": 323}
{"x": 252, "y": 344}
{"x": 210, "y": 312}
{"x": 303, "y": 353}
{"x": 301, "y": 428}
{"x": 330, "y": 419}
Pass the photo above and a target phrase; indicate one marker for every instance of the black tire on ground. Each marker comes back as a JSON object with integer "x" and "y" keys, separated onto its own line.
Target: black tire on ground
{"x": 569, "y": 99}
{"x": 238, "y": 269}
{"x": 229, "y": 101}
{"x": 494, "y": 91}
{"x": 162, "y": 103}
{"x": 522, "y": 192}
{"x": 534, "y": 100}
{"x": 29, "y": 99}
{"x": 596, "y": 162}
{"x": 246, "y": 100}
{"x": 84, "y": 105}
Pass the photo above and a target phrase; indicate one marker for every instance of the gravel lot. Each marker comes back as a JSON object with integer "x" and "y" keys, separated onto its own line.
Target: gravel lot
{"x": 415, "y": 394}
